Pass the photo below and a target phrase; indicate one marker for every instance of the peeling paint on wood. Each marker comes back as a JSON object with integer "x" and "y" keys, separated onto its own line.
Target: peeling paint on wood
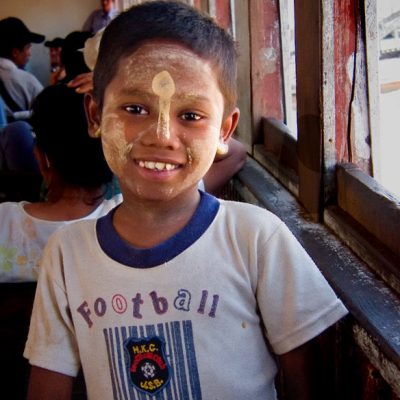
{"x": 345, "y": 47}
{"x": 389, "y": 371}
{"x": 266, "y": 67}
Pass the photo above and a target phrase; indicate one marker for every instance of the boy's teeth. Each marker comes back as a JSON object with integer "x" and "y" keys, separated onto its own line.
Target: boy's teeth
{"x": 159, "y": 166}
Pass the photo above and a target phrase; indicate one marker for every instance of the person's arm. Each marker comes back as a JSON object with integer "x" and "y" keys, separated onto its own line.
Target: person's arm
{"x": 307, "y": 371}
{"x": 49, "y": 385}
{"x": 296, "y": 370}
{"x": 224, "y": 167}
{"x": 82, "y": 83}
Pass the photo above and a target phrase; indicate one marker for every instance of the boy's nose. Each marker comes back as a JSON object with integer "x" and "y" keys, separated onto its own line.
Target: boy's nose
{"x": 163, "y": 133}
{"x": 164, "y": 87}
{"x": 163, "y": 125}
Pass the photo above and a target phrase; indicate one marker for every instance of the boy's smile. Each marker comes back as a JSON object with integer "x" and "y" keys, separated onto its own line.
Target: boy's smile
{"x": 162, "y": 120}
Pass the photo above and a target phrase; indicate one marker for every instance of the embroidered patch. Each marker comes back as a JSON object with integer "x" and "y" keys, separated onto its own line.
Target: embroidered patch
{"x": 148, "y": 368}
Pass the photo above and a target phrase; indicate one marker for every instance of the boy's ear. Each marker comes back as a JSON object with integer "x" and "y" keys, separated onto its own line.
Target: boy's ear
{"x": 229, "y": 124}
{"x": 92, "y": 115}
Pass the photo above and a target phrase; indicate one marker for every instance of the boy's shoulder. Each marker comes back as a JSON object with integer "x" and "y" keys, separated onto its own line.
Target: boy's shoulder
{"x": 88, "y": 223}
{"x": 249, "y": 220}
{"x": 74, "y": 231}
{"x": 248, "y": 211}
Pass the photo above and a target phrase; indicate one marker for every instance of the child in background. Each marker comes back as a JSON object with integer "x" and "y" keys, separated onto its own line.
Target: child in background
{"x": 174, "y": 294}
{"x": 73, "y": 167}
{"x": 76, "y": 175}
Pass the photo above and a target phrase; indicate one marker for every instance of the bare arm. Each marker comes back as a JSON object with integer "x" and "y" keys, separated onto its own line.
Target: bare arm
{"x": 82, "y": 83}
{"x": 298, "y": 368}
{"x": 49, "y": 385}
{"x": 224, "y": 167}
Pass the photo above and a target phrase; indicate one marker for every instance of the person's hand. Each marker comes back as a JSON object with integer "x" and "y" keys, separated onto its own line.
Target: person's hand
{"x": 82, "y": 83}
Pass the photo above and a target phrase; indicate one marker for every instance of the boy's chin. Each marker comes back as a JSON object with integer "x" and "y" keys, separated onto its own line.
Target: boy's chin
{"x": 163, "y": 194}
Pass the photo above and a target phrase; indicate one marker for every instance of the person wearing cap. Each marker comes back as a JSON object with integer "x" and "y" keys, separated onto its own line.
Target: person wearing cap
{"x": 100, "y": 18}
{"x": 72, "y": 55}
{"x": 18, "y": 87}
{"x": 56, "y": 67}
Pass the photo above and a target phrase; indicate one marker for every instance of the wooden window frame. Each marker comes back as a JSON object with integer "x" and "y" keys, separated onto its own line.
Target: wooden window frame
{"x": 334, "y": 222}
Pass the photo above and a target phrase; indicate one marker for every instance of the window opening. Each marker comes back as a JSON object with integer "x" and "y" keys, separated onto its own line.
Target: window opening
{"x": 388, "y": 16}
{"x": 286, "y": 10}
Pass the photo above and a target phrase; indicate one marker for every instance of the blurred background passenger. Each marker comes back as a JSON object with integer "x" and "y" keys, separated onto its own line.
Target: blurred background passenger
{"x": 3, "y": 117}
{"x": 101, "y": 17}
{"x": 72, "y": 55}
{"x": 18, "y": 88}
{"x": 57, "y": 70}
{"x": 16, "y": 148}
{"x": 75, "y": 173}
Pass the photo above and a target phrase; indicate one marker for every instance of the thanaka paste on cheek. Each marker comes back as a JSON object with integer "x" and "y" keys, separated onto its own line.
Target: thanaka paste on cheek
{"x": 164, "y": 87}
{"x": 114, "y": 144}
{"x": 189, "y": 155}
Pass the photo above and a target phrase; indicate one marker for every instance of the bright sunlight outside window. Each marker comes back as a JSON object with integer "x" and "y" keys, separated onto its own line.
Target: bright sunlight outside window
{"x": 289, "y": 63}
{"x": 388, "y": 14}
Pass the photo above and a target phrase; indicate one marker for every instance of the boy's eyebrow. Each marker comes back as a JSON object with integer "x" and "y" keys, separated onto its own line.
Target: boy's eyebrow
{"x": 181, "y": 96}
{"x": 195, "y": 97}
{"x": 134, "y": 92}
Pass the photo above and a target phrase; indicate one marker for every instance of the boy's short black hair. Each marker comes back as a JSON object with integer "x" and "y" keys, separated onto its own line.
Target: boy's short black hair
{"x": 60, "y": 125}
{"x": 169, "y": 20}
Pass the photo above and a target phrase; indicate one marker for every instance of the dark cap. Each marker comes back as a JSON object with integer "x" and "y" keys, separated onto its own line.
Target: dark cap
{"x": 56, "y": 42}
{"x": 14, "y": 29}
{"x": 76, "y": 40}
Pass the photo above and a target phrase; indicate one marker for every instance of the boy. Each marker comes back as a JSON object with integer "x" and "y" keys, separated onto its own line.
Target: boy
{"x": 169, "y": 294}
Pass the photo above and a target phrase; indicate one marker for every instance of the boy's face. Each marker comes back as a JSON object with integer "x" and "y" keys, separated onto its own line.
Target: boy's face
{"x": 162, "y": 120}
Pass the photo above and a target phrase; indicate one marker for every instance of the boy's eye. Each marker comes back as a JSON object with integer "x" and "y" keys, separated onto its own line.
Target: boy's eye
{"x": 191, "y": 116}
{"x": 136, "y": 109}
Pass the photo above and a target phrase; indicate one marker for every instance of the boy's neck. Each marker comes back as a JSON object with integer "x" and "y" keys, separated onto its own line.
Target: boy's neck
{"x": 146, "y": 225}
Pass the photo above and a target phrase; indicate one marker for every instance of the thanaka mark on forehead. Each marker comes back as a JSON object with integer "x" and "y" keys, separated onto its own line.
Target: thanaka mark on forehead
{"x": 136, "y": 92}
{"x": 163, "y": 86}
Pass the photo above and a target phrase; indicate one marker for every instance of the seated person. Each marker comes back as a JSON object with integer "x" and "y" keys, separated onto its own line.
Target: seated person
{"x": 3, "y": 118}
{"x": 76, "y": 175}
{"x": 75, "y": 172}
{"x": 100, "y": 18}
{"x": 72, "y": 56}
{"x": 18, "y": 88}
{"x": 57, "y": 69}
{"x": 16, "y": 148}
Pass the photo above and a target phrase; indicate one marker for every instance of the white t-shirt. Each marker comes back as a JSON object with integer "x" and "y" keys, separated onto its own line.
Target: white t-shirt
{"x": 23, "y": 237}
{"x": 182, "y": 319}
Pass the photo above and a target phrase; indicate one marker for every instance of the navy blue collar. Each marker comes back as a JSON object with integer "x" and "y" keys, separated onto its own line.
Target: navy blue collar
{"x": 121, "y": 251}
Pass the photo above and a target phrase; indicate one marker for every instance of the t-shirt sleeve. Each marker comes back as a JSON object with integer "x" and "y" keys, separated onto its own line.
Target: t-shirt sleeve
{"x": 295, "y": 300}
{"x": 51, "y": 341}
